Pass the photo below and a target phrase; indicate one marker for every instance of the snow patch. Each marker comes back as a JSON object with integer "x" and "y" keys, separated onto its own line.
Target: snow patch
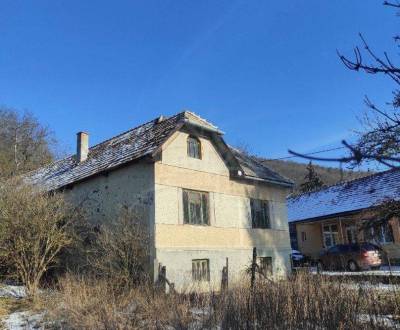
{"x": 23, "y": 320}
{"x": 12, "y": 291}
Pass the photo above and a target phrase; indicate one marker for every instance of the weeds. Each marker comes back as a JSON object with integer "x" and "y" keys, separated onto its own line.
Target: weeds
{"x": 303, "y": 302}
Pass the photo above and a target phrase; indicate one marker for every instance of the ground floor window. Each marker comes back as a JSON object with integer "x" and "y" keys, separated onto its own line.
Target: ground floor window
{"x": 330, "y": 235}
{"x": 265, "y": 264}
{"x": 201, "y": 270}
{"x": 381, "y": 234}
{"x": 351, "y": 233}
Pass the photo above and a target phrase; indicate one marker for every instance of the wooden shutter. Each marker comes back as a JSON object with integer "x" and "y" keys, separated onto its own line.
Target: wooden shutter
{"x": 267, "y": 213}
{"x": 185, "y": 207}
{"x": 253, "y": 223}
{"x": 204, "y": 204}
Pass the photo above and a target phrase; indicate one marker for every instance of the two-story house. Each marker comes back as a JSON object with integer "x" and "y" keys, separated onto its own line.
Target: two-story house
{"x": 203, "y": 200}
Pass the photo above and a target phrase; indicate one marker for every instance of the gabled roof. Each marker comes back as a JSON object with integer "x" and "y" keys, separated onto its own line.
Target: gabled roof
{"x": 346, "y": 197}
{"x": 137, "y": 143}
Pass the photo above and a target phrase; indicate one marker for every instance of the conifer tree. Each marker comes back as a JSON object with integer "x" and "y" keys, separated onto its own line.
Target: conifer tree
{"x": 312, "y": 180}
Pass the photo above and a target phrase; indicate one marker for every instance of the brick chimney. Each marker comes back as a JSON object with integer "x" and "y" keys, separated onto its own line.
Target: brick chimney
{"x": 82, "y": 146}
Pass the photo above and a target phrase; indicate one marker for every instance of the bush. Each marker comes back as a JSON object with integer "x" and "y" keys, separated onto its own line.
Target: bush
{"x": 120, "y": 250}
{"x": 34, "y": 228}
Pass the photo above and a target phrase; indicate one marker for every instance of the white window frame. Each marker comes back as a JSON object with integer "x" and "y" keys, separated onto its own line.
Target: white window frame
{"x": 332, "y": 235}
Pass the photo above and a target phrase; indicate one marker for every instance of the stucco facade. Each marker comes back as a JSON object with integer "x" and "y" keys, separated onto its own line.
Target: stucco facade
{"x": 230, "y": 233}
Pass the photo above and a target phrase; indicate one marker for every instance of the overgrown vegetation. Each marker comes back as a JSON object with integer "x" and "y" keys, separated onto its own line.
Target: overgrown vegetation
{"x": 302, "y": 302}
{"x": 34, "y": 228}
{"x": 119, "y": 250}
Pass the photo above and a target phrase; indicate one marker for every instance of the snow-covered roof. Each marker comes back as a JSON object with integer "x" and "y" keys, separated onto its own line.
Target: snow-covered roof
{"x": 144, "y": 140}
{"x": 345, "y": 197}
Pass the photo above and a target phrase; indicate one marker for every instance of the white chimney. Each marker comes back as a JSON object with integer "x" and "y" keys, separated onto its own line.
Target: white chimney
{"x": 82, "y": 146}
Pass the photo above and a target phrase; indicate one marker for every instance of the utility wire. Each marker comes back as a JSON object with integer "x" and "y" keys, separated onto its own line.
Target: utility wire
{"x": 310, "y": 153}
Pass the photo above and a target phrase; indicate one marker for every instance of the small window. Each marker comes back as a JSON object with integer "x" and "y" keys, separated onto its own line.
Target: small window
{"x": 265, "y": 264}
{"x": 193, "y": 147}
{"x": 260, "y": 213}
{"x": 303, "y": 236}
{"x": 201, "y": 270}
{"x": 195, "y": 207}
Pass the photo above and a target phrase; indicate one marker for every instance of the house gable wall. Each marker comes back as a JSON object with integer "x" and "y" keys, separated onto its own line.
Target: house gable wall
{"x": 230, "y": 233}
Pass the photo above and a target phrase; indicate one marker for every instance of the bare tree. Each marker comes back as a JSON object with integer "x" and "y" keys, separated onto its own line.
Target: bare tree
{"x": 380, "y": 139}
{"x": 121, "y": 249}
{"x": 34, "y": 228}
{"x": 25, "y": 144}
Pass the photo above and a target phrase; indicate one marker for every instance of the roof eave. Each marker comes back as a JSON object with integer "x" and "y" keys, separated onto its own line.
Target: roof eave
{"x": 270, "y": 181}
{"x": 329, "y": 216}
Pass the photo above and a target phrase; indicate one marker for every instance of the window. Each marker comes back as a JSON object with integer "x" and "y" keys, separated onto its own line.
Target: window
{"x": 303, "y": 236}
{"x": 260, "y": 213}
{"x": 201, "y": 270}
{"x": 195, "y": 207}
{"x": 330, "y": 235}
{"x": 193, "y": 147}
{"x": 265, "y": 264}
{"x": 381, "y": 234}
{"x": 351, "y": 233}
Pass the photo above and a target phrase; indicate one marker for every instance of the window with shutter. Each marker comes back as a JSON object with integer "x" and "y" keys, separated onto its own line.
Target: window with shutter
{"x": 195, "y": 207}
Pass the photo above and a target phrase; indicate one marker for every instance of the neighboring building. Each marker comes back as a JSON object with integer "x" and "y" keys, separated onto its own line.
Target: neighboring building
{"x": 203, "y": 201}
{"x": 334, "y": 215}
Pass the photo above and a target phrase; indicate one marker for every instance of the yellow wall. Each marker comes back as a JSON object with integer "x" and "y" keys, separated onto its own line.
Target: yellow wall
{"x": 313, "y": 245}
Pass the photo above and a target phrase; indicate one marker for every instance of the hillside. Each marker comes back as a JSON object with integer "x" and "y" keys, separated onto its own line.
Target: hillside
{"x": 297, "y": 171}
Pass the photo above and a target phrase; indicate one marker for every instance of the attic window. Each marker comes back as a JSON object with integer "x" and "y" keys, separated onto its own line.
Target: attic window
{"x": 193, "y": 147}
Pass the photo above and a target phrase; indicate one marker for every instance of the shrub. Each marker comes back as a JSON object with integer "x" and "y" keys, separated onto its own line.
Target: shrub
{"x": 120, "y": 250}
{"x": 34, "y": 228}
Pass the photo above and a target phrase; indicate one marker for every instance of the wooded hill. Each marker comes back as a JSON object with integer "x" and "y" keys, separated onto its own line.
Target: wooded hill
{"x": 297, "y": 171}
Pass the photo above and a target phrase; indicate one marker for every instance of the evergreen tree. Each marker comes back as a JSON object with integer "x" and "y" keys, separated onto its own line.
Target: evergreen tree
{"x": 312, "y": 180}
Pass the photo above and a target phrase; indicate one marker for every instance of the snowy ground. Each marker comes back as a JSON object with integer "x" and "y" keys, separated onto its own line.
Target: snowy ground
{"x": 23, "y": 320}
{"x": 19, "y": 319}
{"x": 383, "y": 271}
{"x": 12, "y": 291}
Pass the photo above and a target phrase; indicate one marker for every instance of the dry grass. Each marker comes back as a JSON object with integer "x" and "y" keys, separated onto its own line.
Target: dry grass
{"x": 10, "y": 305}
{"x": 304, "y": 302}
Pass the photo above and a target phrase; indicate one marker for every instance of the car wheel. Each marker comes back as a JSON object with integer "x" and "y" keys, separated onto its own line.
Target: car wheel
{"x": 320, "y": 266}
{"x": 352, "y": 265}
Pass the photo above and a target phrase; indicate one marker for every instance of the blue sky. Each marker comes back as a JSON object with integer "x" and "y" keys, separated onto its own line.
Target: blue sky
{"x": 265, "y": 72}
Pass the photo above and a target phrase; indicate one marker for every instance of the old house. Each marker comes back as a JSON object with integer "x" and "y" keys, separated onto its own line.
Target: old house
{"x": 335, "y": 215}
{"x": 204, "y": 202}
